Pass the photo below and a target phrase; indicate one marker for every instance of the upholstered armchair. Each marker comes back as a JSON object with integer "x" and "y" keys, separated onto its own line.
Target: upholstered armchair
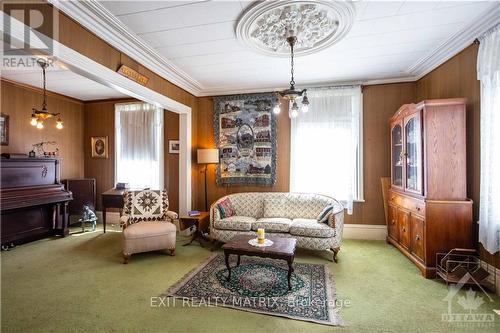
{"x": 147, "y": 223}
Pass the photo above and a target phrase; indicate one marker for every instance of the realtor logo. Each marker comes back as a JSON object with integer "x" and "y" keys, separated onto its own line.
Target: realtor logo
{"x": 29, "y": 28}
{"x": 465, "y": 311}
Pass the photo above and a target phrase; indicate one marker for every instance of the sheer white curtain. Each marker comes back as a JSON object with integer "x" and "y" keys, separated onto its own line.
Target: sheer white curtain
{"x": 325, "y": 152}
{"x": 488, "y": 71}
{"x": 139, "y": 145}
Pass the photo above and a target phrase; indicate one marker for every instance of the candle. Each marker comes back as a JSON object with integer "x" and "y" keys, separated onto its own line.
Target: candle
{"x": 261, "y": 235}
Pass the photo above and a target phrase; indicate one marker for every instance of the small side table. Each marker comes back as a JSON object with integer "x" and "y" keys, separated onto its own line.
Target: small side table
{"x": 201, "y": 222}
{"x": 112, "y": 198}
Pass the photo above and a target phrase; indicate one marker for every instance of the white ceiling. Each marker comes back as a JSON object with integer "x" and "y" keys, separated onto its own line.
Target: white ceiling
{"x": 386, "y": 41}
{"x": 64, "y": 82}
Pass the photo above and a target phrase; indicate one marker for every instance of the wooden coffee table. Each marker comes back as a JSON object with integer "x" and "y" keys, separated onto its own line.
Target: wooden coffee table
{"x": 282, "y": 248}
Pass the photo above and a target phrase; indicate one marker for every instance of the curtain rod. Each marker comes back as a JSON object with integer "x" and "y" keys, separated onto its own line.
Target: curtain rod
{"x": 336, "y": 86}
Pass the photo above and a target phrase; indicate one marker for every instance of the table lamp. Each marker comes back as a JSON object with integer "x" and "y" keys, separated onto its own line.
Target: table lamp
{"x": 207, "y": 156}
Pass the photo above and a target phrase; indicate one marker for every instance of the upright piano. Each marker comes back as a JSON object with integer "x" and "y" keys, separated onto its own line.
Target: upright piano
{"x": 33, "y": 202}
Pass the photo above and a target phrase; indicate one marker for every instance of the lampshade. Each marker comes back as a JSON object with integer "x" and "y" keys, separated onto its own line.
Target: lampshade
{"x": 206, "y": 156}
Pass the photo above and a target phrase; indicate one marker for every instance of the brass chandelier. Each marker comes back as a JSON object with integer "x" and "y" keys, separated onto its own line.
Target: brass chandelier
{"x": 39, "y": 116}
{"x": 291, "y": 94}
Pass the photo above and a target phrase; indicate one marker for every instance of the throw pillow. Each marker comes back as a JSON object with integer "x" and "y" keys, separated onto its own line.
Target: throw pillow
{"x": 225, "y": 208}
{"x": 146, "y": 205}
{"x": 325, "y": 214}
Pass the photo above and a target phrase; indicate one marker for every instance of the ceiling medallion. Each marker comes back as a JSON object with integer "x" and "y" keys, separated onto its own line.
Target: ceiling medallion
{"x": 316, "y": 24}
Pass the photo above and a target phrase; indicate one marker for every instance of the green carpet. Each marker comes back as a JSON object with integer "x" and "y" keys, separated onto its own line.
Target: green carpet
{"x": 79, "y": 284}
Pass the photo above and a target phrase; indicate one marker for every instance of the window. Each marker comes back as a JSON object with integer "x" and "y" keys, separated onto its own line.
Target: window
{"x": 139, "y": 145}
{"x": 488, "y": 72}
{"x": 326, "y": 150}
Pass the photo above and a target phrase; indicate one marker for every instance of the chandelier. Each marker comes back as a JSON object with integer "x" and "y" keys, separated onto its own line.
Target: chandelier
{"x": 39, "y": 116}
{"x": 291, "y": 94}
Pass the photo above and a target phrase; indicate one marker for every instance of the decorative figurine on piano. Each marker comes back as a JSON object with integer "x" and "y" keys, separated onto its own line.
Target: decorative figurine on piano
{"x": 88, "y": 216}
{"x": 46, "y": 149}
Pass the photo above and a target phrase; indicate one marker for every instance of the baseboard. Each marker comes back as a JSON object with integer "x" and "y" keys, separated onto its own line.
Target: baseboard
{"x": 365, "y": 231}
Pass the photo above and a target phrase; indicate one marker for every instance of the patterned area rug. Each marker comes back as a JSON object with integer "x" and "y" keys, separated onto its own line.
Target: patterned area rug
{"x": 260, "y": 285}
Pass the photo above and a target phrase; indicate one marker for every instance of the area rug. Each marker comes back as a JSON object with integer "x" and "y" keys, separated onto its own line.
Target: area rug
{"x": 260, "y": 285}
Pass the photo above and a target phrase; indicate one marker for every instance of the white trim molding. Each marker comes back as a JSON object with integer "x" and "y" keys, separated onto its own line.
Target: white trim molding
{"x": 97, "y": 19}
{"x": 456, "y": 43}
{"x": 365, "y": 231}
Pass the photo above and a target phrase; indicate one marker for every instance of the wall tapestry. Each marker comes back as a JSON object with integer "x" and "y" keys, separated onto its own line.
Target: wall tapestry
{"x": 245, "y": 132}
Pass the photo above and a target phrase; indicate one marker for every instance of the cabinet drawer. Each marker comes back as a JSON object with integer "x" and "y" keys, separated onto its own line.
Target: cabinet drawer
{"x": 417, "y": 225}
{"x": 404, "y": 228}
{"x": 392, "y": 228}
{"x": 413, "y": 205}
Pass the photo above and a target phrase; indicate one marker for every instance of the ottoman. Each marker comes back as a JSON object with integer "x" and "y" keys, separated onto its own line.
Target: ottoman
{"x": 148, "y": 236}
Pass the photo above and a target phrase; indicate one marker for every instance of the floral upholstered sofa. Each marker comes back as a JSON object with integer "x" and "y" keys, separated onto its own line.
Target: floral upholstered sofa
{"x": 284, "y": 214}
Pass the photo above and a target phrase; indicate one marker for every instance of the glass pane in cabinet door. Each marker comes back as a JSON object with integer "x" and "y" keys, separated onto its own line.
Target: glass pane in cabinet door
{"x": 397, "y": 156}
{"x": 413, "y": 155}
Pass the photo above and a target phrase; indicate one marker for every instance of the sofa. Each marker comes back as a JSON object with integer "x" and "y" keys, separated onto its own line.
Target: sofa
{"x": 284, "y": 214}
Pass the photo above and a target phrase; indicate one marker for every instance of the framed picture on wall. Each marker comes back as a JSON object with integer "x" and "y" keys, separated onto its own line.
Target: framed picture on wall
{"x": 4, "y": 129}
{"x": 173, "y": 146}
{"x": 99, "y": 146}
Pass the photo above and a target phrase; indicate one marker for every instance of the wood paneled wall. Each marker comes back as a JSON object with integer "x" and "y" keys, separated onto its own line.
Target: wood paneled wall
{"x": 205, "y": 139}
{"x": 171, "y": 161}
{"x": 100, "y": 121}
{"x": 458, "y": 78}
{"x": 380, "y": 103}
{"x": 17, "y": 102}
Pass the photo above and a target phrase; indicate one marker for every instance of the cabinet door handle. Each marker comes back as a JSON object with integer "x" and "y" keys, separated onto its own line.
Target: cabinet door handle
{"x": 418, "y": 208}
{"x": 417, "y": 238}
{"x": 404, "y": 230}
{"x": 393, "y": 222}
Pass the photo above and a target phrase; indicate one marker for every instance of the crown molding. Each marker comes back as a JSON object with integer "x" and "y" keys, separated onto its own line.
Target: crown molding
{"x": 97, "y": 19}
{"x": 230, "y": 90}
{"x": 456, "y": 43}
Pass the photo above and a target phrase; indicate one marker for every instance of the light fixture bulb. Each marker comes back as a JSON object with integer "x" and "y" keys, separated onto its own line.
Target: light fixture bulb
{"x": 34, "y": 121}
{"x": 305, "y": 108}
{"x": 277, "y": 109}
{"x": 294, "y": 110}
{"x": 59, "y": 124}
{"x": 39, "y": 124}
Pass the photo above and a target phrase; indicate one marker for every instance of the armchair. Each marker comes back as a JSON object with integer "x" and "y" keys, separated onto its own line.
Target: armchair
{"x": 147, "y": 223}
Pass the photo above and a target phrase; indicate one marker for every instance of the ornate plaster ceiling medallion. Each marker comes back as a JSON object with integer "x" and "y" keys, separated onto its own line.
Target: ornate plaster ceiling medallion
{"x": 316, "y": 24}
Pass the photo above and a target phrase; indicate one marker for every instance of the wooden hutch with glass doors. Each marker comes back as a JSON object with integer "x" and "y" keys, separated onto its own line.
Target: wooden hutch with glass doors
{"x": 429, "y": 211}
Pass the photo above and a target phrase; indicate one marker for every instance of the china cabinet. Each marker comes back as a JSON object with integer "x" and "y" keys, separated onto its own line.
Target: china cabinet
{"x": 428, "y": 207}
